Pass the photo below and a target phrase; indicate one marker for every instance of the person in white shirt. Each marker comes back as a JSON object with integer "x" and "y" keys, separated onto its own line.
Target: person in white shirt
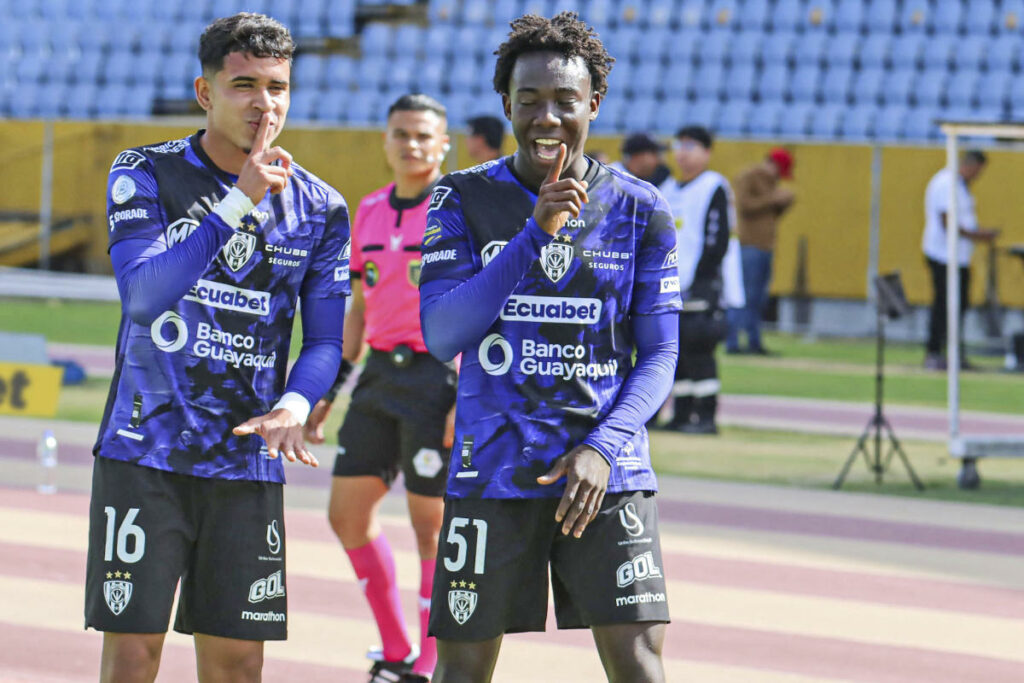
{"x": 933, "y": 243}
{"x": 702, "y": 205}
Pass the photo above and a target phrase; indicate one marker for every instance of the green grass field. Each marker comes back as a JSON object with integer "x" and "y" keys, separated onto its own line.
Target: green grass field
{"x": 825, "y": 369}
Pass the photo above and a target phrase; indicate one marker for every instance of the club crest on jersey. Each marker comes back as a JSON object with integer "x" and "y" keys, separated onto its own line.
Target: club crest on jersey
{"x": 415, "y": 267}
{"x": 239, "y": 250}
{"x": 555, "y": 259}
{"x": 118, "y": 594}
{"x": 462, "y": 604}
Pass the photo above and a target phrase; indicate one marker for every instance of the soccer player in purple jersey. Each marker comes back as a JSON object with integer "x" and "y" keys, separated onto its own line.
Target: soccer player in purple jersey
{"x": 546, "y": 270}
{"x": 213, "y": 239}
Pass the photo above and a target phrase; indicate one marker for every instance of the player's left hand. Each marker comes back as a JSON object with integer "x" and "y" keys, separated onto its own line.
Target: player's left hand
{"x": 586, "y": 473}
{"x": 282, "y": 433}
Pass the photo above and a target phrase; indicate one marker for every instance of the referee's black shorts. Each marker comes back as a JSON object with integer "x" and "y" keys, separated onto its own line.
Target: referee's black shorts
{"x": 395, "y": 423}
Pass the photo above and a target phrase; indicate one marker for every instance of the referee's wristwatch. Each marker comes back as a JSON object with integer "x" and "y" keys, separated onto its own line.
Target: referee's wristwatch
{"x": 343, "y": 372}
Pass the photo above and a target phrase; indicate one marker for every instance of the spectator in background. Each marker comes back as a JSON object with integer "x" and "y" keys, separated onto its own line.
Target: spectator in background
{"x": 933, "y": 243}
{"x": 760, "y": 203}
{"x": 641, "y": 156}
{"x": 484, "y": 140}
{"x": 701, "y": 203}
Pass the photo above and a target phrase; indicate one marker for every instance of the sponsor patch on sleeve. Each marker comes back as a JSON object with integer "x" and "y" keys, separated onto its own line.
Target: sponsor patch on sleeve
{"x": 671, "y": 258}
{"x": 438, "y": 196}
{"x": 123, "y": 189}
{"x": 127, "y": 159}
{"x": 432, "y": 234}
{"x": 669, "y": 284}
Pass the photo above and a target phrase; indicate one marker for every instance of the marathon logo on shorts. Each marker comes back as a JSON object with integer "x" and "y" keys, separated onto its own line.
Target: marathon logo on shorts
{"x": 462, "y": 604}
{"x": 219, "y": 295}
{"x": 641, "y": 599}
{"x": 549, "y": 309}
{"x": 263, "y": 616}
{"x": 117, "y": 593}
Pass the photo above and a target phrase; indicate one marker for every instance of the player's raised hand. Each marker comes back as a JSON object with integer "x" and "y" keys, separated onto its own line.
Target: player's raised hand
{"x": 586, "y": 472}
{"x": 282, "y": 433}
{"x": 260, "y": 173}
{"x": 559, "y": 198}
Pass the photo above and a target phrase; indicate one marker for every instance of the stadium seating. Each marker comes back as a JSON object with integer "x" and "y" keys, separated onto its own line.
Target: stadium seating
{"x": 867, "y": 69}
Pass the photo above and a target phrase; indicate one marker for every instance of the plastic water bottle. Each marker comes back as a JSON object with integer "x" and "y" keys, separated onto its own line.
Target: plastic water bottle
{"x": 46, "y": 451}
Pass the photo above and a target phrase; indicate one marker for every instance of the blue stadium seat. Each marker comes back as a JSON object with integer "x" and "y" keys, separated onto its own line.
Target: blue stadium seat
{"x": 601, "y": 14}
{"x": 950, "y": 16}
{"x": 897, "y": 86}
{"x": 620, "y": 78}
{"x": 678, "y": 77}
{"x": 764, "y": 120}
{"x": 145, "y": 69}
{"x": 700, "y": 112}
{"x": 779, "y": 48}
{"x": 920, "y": 124}
{"x": 656, "y": 42}
{"x": 938, "y": 52}
{"x": 881, "y": 16}
{"x": 361, "y": 107}
{"x": 709, "y": 80}
{"x": 472, "y": 13}
{"x": 605, "y": 122}
{"x": 810, "y": 49}
{"x": 371, "y": 73}
{"x": 661, "y": 13}
{"x": 692, "y": 14}
{"x": 1011, "y": 17}
{"x": 826, "y": 122}
{"x": 805, "y": 84}
{"x": 722, "y": 14}
{"x": 787, "y": 15}
{"x": 30, "y": 68}
{"x": 621, "y": 43}
{"x": 754, "y": 16}
{"x": 715, "y": 46}
{"x": 739, "y": 82}
{"x": 930, "y": 89}
{"x": 962, "y": 89}
{"x": 889, "y": 123}
{"x": 915, "y": 16}
{"x": 375, "y": 39}
{"x": 771, "y": 87}
{"x": 647, "y": 78}
{"x": 867, "y": 86}
{"x": 437, "y": 39}
{"x": 1016, "y": 96}
{"x": 836, "y": 84}
{"x": 642, "y": 115}
{"x": 50, "y": 102}
{"x": 462, "y": 76}
{"x": 33, "y": 35}
{"x": 330, "y": 106}
{"x": 409, "y": 41}
{"x": 993, "y": 89}
{"x": 339, "y": 72}
{"x": 23, "y": 104}
{"x": 79, "y": 101}
{"x": 980, "y": 19}
{"x": 858, "y": 123}
{"x": 303, "y": 104}
{"x": 341, "y": 18}
{"x": 541, "y": 7}
{"x": 1003, "y": 54}
{"x": 817, "y": 15}
{"x": 969, "y": 52}
{"x": 732, "y": 122}
{"x": 111, "y": 100}
{"x": 118, "y": 67}
{"x": 848, "y": 16}
{"x": 746, "y": 47}
{"x": 429, "y": 76}
{"x": 669, "y": 115}
{"x": 874, "y": 51}
{"x": 842, "y": 49}
{"x": 906, "y": 51}
{"x": 308, "y": 71}
{"x": 402, "y": 73}
{"x": 795, "y": 121}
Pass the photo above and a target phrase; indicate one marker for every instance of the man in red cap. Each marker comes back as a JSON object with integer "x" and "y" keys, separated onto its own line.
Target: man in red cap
{"x": 759, "y": 202}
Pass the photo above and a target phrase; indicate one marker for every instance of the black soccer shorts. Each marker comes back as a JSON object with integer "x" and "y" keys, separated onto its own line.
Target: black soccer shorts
{"x": 491, "y": 575}
{"x": 395, "y": 422}
{"x": 224, "y": 539}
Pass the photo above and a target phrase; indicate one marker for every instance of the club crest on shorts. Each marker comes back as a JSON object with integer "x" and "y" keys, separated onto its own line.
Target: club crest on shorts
{"x": 555, "y": 259}
{"x": 239, "y": 250}
{"x": 118, "y": 594}
{"x": 462, "y": 604}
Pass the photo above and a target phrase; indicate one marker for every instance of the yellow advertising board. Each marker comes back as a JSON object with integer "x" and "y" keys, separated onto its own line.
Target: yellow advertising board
{"x": 29, "y": 389}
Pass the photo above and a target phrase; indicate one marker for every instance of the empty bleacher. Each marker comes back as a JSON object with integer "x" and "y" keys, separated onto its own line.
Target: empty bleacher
{"x": 854, "y": 70}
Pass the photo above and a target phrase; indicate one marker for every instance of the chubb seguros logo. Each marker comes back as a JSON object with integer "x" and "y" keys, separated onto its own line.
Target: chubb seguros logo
{"x": 491, "y": 346}
{"x": 565, "y": 361}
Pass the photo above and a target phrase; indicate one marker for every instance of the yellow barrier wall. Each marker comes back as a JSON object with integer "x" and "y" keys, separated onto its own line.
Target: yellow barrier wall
{"x": 833, "y": 186}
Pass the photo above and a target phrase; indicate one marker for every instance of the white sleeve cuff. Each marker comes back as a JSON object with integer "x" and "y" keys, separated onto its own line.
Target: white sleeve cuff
{"x": 296, "y": 403}
{"x": 235, "y": 205}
